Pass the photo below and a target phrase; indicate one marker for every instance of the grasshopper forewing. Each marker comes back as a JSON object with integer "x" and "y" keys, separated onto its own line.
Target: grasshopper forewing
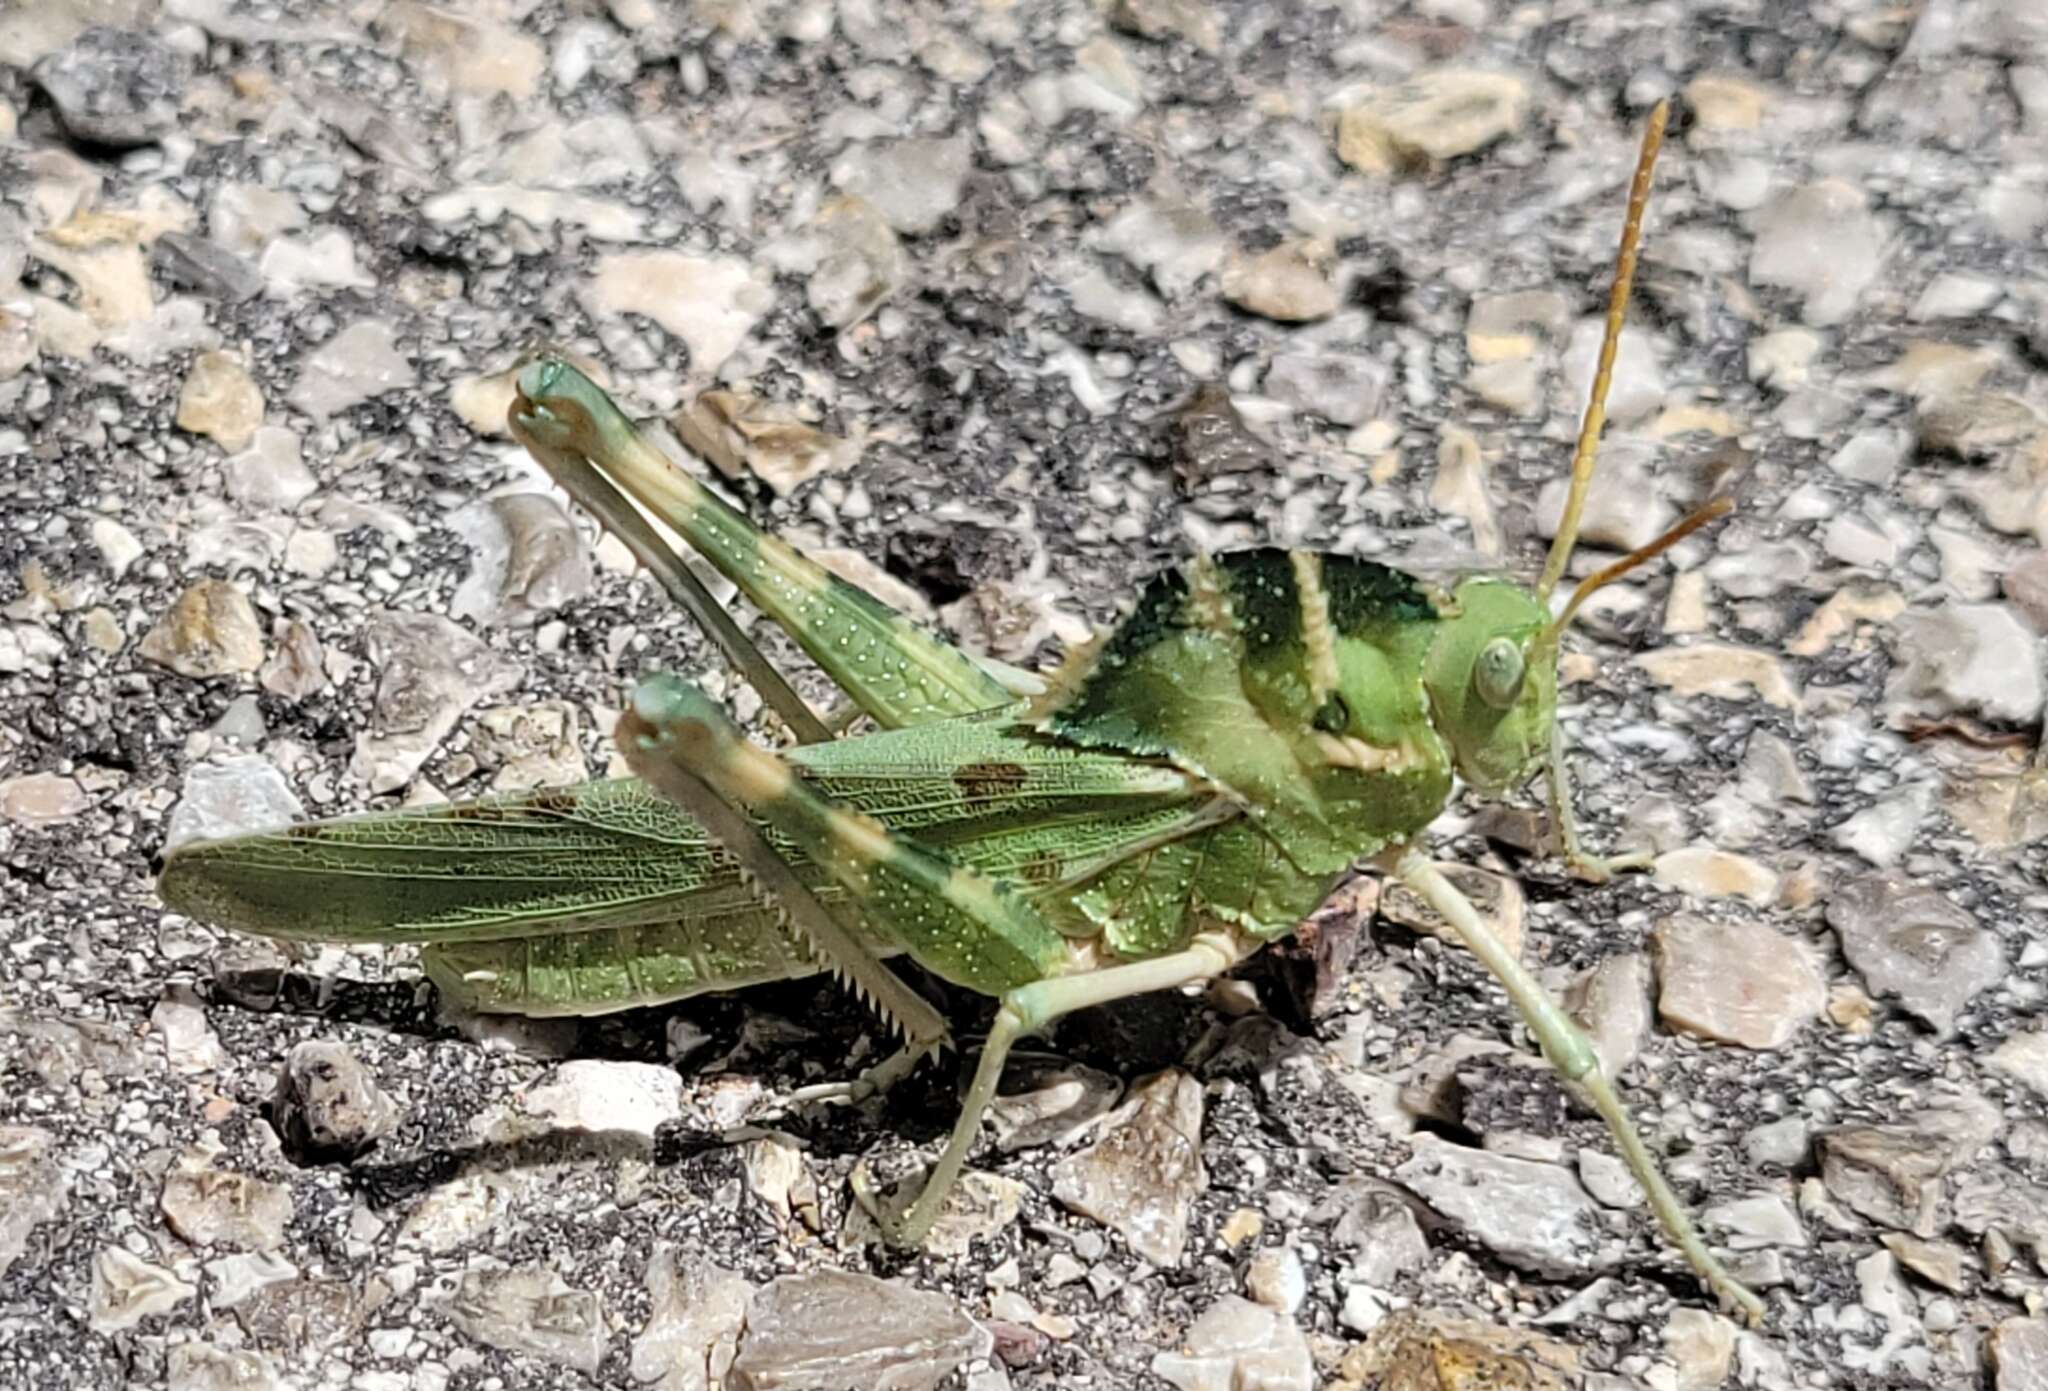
{"x": 1181, "y": 792}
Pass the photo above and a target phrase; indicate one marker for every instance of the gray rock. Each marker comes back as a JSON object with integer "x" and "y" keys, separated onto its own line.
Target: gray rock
{"x": 296, "y": 667}
{"x": 126, "y": 1289}
{"x": 1212, "y": 439}
{"x": 1342, "y": 388}
{"x": 210, "y": 631}
{"x": 271, "y": 474}
{"x": 1821, "y": 242}
{"x": 34, "y": 1187}
{"x": 1438, "y": 114}
{"x": 233, "y": 797}
{"x": 1534, "y": 1216}
{"x": 696, "y": 1310}
{"x": 211, "y": 1206}
{"x": 526, "y": 559}
{"x": 1891, "y": 1174}
{"x": 1752, "y": 1223}
{"x": 358, "y": 363}
{"x": 206, "y": 268}
{"x": 1143, "y": 1176}
{"x": 2026, "y": 586}
{"x": 114, "y": 87}
{"x": 1053, "y": 1108}
{"x": 1736, "y": 982}
{"x": 1239, "y": 1344}
{"x": 1379, "y": 1229}
{"x": 860, "y": 264}
{"x": 530, "y": 1309}
{"x": 207, "y": 1367}
{"x": 430, "y": 672}
{"x": 1976, "y": 660}
{"x": 833, "y": 1328}
{"x": 1915, "y": 945}
{"x": 1781, "y": 1142}
{"x": 2018, "y": 1350}
{"x": 1612, "y": 1004}
{"x": 327, "y": 1105}
{"x": 1872, "y": 456}
{"x": 915, "y": 184}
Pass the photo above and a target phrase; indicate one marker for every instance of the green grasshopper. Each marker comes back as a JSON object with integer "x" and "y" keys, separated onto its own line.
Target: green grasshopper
{"x": 1182, "y": 791}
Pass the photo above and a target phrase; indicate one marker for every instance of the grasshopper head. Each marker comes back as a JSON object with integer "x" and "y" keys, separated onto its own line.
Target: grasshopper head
{"x": 1492, "y": 683}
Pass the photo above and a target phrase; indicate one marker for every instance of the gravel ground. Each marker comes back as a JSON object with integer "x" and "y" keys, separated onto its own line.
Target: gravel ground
{"x": 1002, "y": 308}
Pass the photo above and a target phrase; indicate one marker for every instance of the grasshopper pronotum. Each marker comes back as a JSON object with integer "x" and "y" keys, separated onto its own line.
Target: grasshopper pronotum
{"x": 1182, "y": 791}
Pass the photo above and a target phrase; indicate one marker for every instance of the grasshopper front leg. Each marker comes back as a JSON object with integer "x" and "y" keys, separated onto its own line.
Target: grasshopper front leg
{"x": 1572, "y": 1054}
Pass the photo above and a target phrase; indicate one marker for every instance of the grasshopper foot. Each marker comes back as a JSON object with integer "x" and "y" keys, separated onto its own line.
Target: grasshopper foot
{"x": 1598, "y": 869}
{"x": 875, "y": 1080}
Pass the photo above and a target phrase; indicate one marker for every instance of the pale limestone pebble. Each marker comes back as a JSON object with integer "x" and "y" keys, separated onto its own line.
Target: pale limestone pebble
{"x": 103, "y": 631}
{"x": 853, "y": 259}
{"x": 1057, "y": 1108}
{"x": 360, "y": 362}
{"x": 1821, "y": 242}
{"x": 697, "y": 1310}
{"x": 234, "y": 796}
{"x": 607, "y": 1097}
{"x": 1535, "y": 1216}
{"x": 1608, "y": 1179}
{"x": 1892, "y": 1174}
{"x": 19, "y": 348}
{"x": 1956, "y": 295}
{"x": 327, "y": 1105}
{"x": 473, "y": 57}
{"x": 1978, "y": 660}
{"x": 1757, "y": 1222}
{"x": 190, "y": 1045}
{"x": 1276, "y": 1279}
{"x": 779, "y": 1180}
{"x": 112, "y": 280}
{"x": 430, "y": 672}
{"x": 1437, "y": 114}
{"x": 1498, "y": 898}
{"x": 1722, "y": 671}
{"x": 913, "y": 183}
{"x": 484, "y": 401}
{"x": 1844, "y": 614}
{"x": 1194, "y": 20}
{"x": 1726, "y": 101}
{"x": 527, "y": 559}
{"x": 1735, "y": 982}
{"x": 2018, "y": 1353}
{"x": 1611, "y": 1003}
{"x": 1915, "y": 945}
{"x": 1239, "y": 1344}
{"x": 1142, "y": 1176}
{"x": 739, "y": 434}
{"x": 296, "y": 666}
{"x": 1637, "y": 390}
{"x": 1940, "y": 1263}
{"x": 1095, "y": 293}
{"x": 1625, "y": 511}
{"x": 245, "y": 218}
{"x": 833, "y": 1327}
{"x": 457, "y": 1212}
{"x": 311, "y": 552}
{"x": 210, "y": 631}
{"x": 1707, "y": 872}
{"x": 126, "y": 1289}
{"x": 1685, "y": 607}
{"x": 1175, "y": 244}
{"x": 35, "y": 1187}
{"x": 489, "y": 204}
{"x": 211, "y": 1206}
{"x": 607, "y": 148}
{"x": 1294, "y": 282}
{"x": 1427, "y": 1350}
{"x": 530, "y": 1309}
{"x": 1784, "y": 357}
{"x": 324, "y": 260}
{"x": 209, "y": 1366}
{"x": 116, "y": 544}
{"x": 2025, "y": 585}
{"x": 35, "y": 800}
{"x": 1883, "y": 831}
{"x": 269, "y": 473}
{"x": 710, "y": 303}
{"x": 114, "y": 86}
{"x": 1702, "y": 1346}
{"x": 1460, "y": 488}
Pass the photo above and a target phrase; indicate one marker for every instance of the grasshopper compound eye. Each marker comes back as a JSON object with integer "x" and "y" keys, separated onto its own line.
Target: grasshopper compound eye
{"x": 1497, "y": 675}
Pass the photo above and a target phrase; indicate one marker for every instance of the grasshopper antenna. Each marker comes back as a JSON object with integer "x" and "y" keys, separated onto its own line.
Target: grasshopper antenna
{"x": 1608, "y": 574}
{"x": 1617, "y": 310}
